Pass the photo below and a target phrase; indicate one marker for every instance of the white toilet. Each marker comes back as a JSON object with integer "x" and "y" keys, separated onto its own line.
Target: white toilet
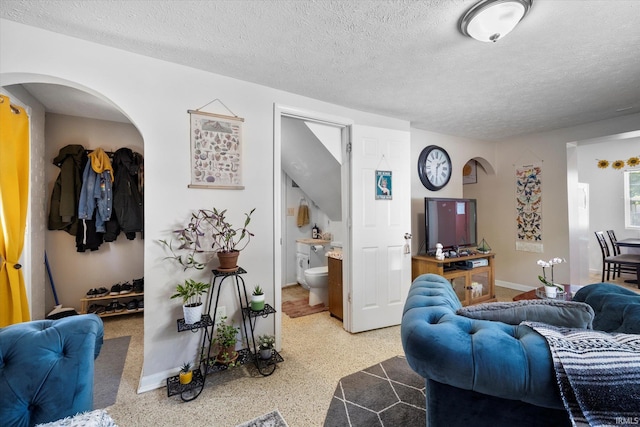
{"x": 317, "y": 281}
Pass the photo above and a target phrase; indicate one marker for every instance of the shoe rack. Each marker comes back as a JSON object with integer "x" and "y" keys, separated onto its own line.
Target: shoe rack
{"x": 120, "y": 298}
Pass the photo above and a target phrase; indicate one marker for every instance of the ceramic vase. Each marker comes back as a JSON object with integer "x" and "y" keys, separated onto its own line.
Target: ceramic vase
{"x": 265, "y": 353}
{"x": 257, "y": 302}
{"x": 550, "y": 291}
{"x": 192, "y": 313}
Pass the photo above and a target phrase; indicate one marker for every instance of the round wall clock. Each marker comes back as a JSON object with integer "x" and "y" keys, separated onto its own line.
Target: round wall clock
{"x": 434, "y": 167}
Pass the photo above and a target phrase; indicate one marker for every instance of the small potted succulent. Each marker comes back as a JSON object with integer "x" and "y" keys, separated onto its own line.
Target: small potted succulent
{"x": 186, "y": 374}
{"x": 226, "y": 337}
{"x": 257, "y": 299}
{"x": 191, "y": 294}
{"x": 265, "y": 345}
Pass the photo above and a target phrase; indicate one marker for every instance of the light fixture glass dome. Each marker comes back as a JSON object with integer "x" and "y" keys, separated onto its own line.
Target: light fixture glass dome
{"x": 491, "y": 20}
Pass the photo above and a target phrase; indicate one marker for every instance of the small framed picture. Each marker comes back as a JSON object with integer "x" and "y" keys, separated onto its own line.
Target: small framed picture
{"x": 383, "y": 185}
{"x": 216, "y": 151}
{"x": 470, "y": 172}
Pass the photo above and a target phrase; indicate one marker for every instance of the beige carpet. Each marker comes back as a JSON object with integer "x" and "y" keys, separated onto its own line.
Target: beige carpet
{"x": 317, "y": 353}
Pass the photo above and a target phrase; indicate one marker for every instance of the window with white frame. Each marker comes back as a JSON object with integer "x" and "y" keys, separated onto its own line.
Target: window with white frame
{"x": 632, "y": 199}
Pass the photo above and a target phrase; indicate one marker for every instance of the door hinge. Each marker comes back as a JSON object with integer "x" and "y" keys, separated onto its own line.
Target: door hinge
{"x": 349, "y": 297}
{"x": 348, "y": 147}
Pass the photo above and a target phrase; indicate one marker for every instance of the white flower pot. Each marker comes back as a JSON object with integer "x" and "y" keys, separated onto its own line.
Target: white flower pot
{"x": 550, "y": 291}
{"x": 266, "y": 353}
{"x": 192, "y": 314}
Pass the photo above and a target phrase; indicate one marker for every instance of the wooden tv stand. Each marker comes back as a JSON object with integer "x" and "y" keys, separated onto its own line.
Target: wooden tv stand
{"x": 471, "y": 285}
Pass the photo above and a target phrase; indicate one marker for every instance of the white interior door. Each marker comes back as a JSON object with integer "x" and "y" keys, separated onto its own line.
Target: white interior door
{"x": 380, "y": 270}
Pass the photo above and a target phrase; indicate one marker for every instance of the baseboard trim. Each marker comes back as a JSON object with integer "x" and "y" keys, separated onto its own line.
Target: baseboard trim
{"x": 152, "y": 382}
{"x": 516, "y": 286}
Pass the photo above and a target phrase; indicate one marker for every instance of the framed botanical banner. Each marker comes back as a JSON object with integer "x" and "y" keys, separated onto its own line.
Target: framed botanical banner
{"x": 216, "y": 151}
{"x": 383, "y": 185}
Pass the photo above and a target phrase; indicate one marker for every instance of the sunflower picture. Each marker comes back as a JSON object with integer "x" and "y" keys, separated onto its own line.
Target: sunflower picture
{"x": 603, "y": 164}
{"x": 617, "y": 164}
{"x": 632, "y": 162}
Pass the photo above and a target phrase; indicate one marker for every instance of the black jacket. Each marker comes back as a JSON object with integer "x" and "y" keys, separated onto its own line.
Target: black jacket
{"x": 126, "y": 215}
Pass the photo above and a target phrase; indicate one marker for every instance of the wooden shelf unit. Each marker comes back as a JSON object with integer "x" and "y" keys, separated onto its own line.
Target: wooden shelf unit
{"x": 461, "y": 278}
{"x": 86, "y": 302}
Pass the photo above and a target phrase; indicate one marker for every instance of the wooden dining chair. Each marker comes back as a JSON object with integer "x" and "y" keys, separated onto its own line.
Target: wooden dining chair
{"x": 612, "y": 262}
{"x": 620, "y": 268}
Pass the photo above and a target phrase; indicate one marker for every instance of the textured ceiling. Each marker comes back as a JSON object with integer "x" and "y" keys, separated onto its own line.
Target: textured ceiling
{"x": 569, "y": 62}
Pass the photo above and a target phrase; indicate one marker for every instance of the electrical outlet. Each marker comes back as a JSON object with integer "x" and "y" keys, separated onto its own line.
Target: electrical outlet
{"x": 221, "y": 312}
{"x": 290, "y": 211}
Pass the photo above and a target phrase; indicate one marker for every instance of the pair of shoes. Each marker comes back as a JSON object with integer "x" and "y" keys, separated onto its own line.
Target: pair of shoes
{"x": 141, "y": 304}
{"x": 115, "y": 289}
{"x": 132, "y": 305}
{"x": 115, "y": 306}
{"x": 102, "y": 292}
{"x": 96, "y": 309}
{"x": 138, "y": 285}
{"x": 126, "y": 288}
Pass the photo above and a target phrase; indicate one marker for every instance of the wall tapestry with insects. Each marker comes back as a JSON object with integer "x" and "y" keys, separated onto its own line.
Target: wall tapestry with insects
{"x": 529, "y": 203}
{"x": 216, "y": 151}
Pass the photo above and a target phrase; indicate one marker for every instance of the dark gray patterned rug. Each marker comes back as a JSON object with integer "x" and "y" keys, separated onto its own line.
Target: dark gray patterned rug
{"x": 388, "y": 394}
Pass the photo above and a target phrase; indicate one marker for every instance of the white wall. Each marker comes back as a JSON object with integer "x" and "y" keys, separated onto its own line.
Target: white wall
{"x": 156, "y": 95}
{"x": 460, "y": 150}
{"x": 120, "y": 261}
{"x": 497, "y": 217}
{"x": 606, "y": 188}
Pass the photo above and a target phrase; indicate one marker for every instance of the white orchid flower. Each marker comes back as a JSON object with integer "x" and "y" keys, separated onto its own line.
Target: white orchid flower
{"x": 543, "y": 264}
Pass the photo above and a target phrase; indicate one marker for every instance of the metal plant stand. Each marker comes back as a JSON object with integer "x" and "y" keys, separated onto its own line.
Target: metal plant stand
{"x": 209, "y": 364}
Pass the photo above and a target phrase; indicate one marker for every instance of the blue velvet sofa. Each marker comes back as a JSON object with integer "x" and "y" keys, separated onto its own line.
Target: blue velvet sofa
{"x": 46, "y": 369}
{"x": 488, "y": 373}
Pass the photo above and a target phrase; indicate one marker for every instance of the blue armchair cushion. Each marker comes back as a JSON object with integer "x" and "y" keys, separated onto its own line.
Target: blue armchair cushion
{"x": 46, "y": 369}
{"x": 616, "y": 309}
{"x": 553, "y": 312}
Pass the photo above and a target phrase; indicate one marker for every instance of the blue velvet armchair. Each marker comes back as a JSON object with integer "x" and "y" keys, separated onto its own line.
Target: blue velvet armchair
{"x": 489, "y": 373}
{"x": 46, "y": 369}
{"x": 478, "y": 372}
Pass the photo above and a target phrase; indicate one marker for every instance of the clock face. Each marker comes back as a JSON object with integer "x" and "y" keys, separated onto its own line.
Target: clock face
{"x": 434, "y": 167}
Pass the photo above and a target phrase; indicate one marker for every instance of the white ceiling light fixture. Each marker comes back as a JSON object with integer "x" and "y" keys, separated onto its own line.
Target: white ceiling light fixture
{"x": 490, "y": 20}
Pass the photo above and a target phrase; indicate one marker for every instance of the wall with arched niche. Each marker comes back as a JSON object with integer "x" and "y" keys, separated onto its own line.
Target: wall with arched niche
{"x": 72, "y": 273}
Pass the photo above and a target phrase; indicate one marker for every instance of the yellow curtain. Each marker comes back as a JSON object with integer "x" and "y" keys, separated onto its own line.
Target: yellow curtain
{"x": 14, "y": 191}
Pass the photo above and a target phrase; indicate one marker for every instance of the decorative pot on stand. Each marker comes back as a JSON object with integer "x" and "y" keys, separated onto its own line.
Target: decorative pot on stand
{"x": 192, "y": 313}
{"x": 265, "y": 353}
{"x": 257, "y": 302}
{"x": 228, "y": 260}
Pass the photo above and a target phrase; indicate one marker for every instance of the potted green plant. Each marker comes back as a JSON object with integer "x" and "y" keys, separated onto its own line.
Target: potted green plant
{"x": 191, "y": 294}
{"x": 265, "y": 345}
{"x": 257, "y": 299}
{"x": 209, "y": 230}
{"x": 186, "y": 374}
{"x": 226, "y": 337}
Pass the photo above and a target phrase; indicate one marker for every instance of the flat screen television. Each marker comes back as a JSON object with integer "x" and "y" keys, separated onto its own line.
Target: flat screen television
{"x": 451, "y": 222}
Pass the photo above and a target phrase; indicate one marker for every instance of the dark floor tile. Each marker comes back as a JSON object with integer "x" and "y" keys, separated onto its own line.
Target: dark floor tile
{"x": 361, "y": 417}
{"x": 336, "y": 415}
{"x": 368, "y": 391}
{"x": 403, "y": 415}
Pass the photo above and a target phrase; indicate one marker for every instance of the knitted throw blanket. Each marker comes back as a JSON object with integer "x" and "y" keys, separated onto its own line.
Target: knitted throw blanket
{"x": 598, "y": 374}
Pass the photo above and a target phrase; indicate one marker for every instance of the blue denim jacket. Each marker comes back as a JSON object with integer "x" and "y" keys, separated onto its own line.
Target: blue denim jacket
{"x": 96, "y": 193}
